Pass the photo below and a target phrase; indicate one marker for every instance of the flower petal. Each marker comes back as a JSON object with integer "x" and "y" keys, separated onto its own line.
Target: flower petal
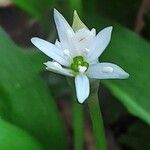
{"x": 106, "y": 71}
{"x": 100, "y": 43}
{"x": 50, "y": 50}
{"x": 65, "y": 32}
{"x": 82, "y": 87}
{"x": 83, "y": 39}
{"x": 57, "y": 68}
{"x": 77, "y": 23}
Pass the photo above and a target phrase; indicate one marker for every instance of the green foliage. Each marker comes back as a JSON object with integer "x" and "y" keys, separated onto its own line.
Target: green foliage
{"x": 76, "y": 5}
{"x": 37, "y": 8}
{"x": 110, "y": 8}
{"x": 132, "y": 53}
{"x": 90, "y": 6}
{"x": 25, "y": 99}
{"x": 136, "y": 137}
{"x": 12, "y": 137}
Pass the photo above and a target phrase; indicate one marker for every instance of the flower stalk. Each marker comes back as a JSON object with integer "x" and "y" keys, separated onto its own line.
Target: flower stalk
{"x": 78, "y": 126}
{"x": 97, "y": 122}
{"x": 77, "y": 120}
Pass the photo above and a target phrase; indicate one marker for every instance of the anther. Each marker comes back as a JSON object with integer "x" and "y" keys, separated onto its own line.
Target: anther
{"x": 66, "y": 52}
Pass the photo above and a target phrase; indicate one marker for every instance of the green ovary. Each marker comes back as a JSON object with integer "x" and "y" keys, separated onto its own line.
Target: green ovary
{"x": 78, "y": 61}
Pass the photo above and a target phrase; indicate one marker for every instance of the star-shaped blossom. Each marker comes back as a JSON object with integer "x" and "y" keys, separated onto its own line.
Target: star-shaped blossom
{"x": 76, "y": 54}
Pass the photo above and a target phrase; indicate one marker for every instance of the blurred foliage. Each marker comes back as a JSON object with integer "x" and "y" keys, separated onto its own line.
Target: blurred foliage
{"x": 146, "y": 30}
{"x": 136, "y": 137}
{"x": 10, "y": 134}
{"x": 39, "y": 9}
{"x": 25, "y": 98}
{"x": 76, "y": 5}
{"x": 112, "y": 109}
{"x": 123, "y": 12}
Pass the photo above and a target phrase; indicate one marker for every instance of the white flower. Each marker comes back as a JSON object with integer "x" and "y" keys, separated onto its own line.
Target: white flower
{"x": 76, "y": 54}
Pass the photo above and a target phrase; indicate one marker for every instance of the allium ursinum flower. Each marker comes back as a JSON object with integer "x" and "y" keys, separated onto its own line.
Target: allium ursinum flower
{"x": 76, "y": 54}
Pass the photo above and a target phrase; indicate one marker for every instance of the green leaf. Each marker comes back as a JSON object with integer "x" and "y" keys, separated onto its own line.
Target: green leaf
{"x": 12, "y": 137}
{"x": 131, "y": 52}
{"x": 25, "y": 98}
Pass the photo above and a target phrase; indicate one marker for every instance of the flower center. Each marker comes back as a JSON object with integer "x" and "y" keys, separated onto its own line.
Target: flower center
{"x": 79, "y": 64}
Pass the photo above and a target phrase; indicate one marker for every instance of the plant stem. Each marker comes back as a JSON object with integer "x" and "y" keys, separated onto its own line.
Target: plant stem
{"x": 97, "y": 121}
{"x": 78, "y": 126}
{"x": 78, "y": 120}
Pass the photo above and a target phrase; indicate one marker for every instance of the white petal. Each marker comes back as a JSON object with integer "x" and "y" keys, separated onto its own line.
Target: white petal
{"x": 83, "y": 39}
{"x": 106, "y": 71}
{"x": 64, "y": 30}
{"x": 50, "y": 50}
{"x": 57, "y": 68}
{"x": 82, "y": 87}
{"x": 100, "y": 43}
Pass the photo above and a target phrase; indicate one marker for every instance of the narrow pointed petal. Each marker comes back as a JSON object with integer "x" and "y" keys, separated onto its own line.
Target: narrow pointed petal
{"x": 82, "y": 87}
{"x": 65, "y": 32}
{"x": 57, "y": 68}
{"x": 106, "y": 71}
{"x": 50, "y": 50}
{"x": 100, "y": 43}
{"x": 77, "y": 23}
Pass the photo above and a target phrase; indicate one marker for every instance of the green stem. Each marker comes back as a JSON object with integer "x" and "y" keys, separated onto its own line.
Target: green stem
{"x": 78, "y": 126}
{"x": 78, "y": 120}
{"x": 97, "y": 121}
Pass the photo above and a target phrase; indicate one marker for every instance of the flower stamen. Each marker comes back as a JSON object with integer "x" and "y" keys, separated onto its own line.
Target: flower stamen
{"x": 79, "y": 64}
